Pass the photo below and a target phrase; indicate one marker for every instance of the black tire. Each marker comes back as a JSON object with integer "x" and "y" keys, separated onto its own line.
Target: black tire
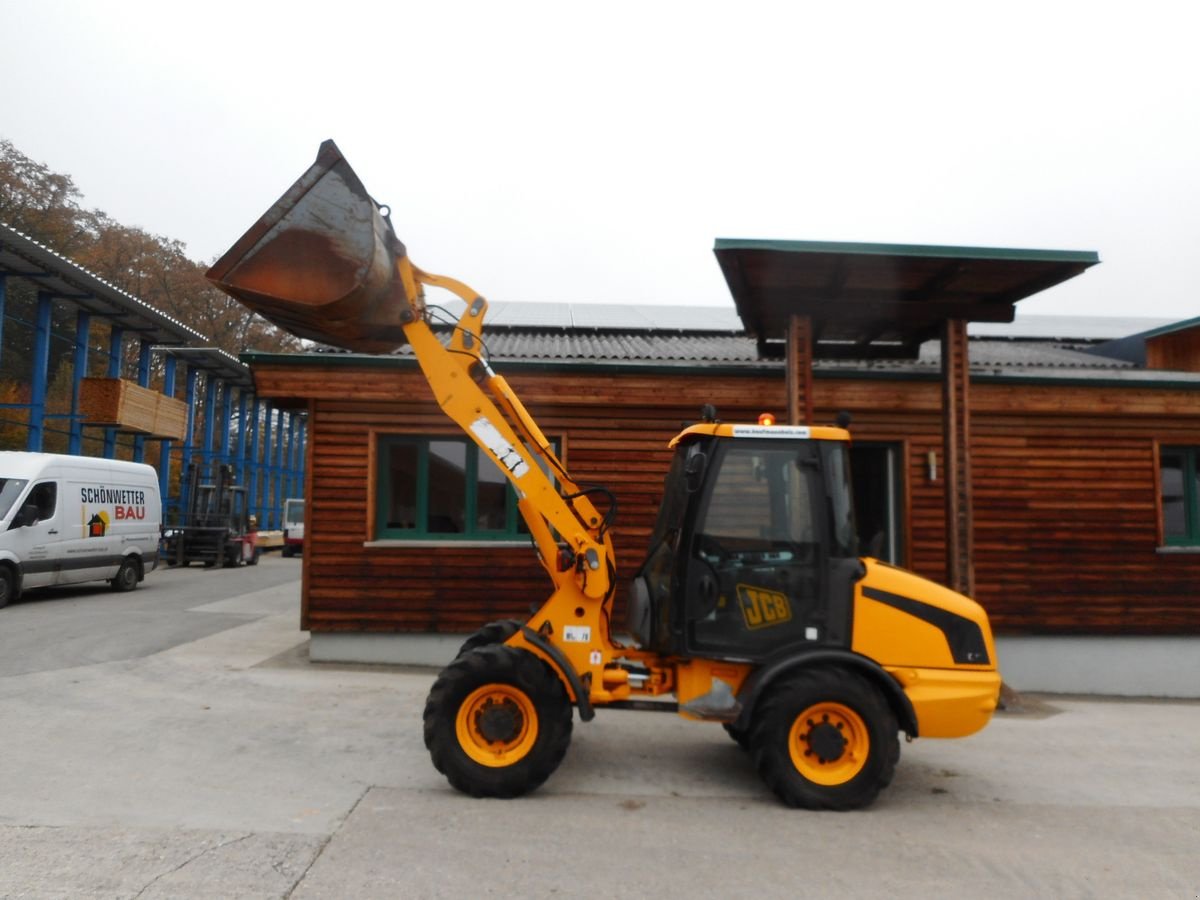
{"x": 491, "y": 633}
{"x": 825, "y": 739}
{"x": 288, "y": 551}
{"x": 127, "y": 576}
{"x": 253, "y": 560}
{"x": 742, "y": 738}
{"x": 8, "y": 586}
{"x": 503, "y": 705}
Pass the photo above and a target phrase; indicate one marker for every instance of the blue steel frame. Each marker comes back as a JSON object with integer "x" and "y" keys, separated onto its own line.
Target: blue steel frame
{"x": 268, "y": 432}
{"x": 116, "y": 350}
{"x": 83, "y": 325}
{"x": 268, "y": 458}
{"x": 164, "y": 455}
{"x": 143, "y": 380}
{"x": 40, "y": 374}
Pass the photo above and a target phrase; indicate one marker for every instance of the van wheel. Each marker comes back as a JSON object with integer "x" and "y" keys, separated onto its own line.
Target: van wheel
{"x": 127, "y": 576}
{"x": 8, "y": 586}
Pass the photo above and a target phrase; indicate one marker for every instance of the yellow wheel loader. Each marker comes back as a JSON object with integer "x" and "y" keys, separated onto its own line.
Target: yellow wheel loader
{"x": 752, "y": 609}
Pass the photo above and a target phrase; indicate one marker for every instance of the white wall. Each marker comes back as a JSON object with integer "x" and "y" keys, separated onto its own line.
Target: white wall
{"x": 1118, "y": 666}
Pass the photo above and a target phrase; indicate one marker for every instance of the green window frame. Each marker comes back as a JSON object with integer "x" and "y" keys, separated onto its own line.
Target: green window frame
{"x": 442, "y": 488}
{"x": 1179, "y": 495}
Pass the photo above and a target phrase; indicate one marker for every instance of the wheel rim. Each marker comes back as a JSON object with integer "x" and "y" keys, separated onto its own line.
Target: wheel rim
{"x": 497, "y": 725}
{"x": 829, "y": 743}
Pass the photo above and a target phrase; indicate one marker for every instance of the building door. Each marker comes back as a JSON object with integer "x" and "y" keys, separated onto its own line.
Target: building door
{"x": 877, "y": 471}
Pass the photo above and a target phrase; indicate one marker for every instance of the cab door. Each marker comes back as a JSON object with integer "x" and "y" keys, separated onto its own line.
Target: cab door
{"x": 35, "y": 536}
{"x": 757, "y": 557}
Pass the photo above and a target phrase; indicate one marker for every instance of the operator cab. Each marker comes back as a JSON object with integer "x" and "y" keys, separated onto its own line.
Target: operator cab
{"x": 755, "y": 549}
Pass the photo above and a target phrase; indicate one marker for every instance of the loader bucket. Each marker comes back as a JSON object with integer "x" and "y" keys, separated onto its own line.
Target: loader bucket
{"x": 322, "y": 263}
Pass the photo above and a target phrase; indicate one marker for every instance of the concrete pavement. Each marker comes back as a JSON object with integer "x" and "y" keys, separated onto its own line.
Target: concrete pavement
{"x": 229, "y": 766}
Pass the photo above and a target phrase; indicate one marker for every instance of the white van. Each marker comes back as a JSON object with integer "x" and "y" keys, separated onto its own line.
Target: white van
{"x": 293, "y": 526}
{"x": 69, "y": 519}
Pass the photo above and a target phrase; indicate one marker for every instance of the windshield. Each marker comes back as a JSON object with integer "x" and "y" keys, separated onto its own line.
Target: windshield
{"x": 10, "y": 490}
{"x": 293, "y": 512}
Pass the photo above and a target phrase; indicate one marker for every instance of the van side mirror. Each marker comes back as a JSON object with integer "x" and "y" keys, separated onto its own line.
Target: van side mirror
{"x": 693, "y": 472}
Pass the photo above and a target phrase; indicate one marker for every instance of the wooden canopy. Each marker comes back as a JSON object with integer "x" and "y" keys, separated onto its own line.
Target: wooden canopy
{"x": 817, "y": 300}
{"x": 867, "y": 301}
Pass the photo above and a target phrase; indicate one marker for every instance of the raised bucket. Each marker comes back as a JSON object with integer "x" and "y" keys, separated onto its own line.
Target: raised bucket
{"x": 322, "y": 263}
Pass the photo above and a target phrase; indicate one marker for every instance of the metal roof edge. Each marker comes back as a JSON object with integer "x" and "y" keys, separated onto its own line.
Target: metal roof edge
{"x": 1183, "y": 325}
{"x": 25, "y": 246}
{"x": 1084, "y": 257}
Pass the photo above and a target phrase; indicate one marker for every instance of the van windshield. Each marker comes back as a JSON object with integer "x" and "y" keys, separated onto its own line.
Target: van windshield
{"x": 293, "y": 512}
{"x": 10, "y": 490}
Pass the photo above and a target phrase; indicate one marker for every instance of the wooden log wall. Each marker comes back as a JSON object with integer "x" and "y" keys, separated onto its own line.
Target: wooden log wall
{"x": 1064, "y": 478}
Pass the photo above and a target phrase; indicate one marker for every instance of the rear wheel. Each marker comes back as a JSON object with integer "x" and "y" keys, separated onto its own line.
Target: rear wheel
{"x": 497, "y": 722}
{"x": 491, "y": 633}
{"x": 825, "y": 739}
{"x": 126, "y": 578}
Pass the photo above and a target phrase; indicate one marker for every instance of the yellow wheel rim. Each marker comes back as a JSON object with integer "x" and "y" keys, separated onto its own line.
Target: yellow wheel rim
{"x": 497, "y": 725}
{"x": 829, "y": 743}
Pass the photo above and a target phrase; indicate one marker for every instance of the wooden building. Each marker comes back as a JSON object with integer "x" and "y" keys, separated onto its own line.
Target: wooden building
{"x": 1085, "y": 471}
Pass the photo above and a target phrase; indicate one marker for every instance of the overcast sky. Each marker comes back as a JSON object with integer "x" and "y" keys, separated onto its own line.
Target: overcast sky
{"x": 593, "y": 151}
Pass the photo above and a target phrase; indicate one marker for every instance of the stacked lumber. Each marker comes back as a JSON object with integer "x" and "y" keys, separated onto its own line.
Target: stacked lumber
{"x": 118, "y": 403}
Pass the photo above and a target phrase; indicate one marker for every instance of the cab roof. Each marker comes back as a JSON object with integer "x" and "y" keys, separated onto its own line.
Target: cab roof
{"x": 777, "y": 432}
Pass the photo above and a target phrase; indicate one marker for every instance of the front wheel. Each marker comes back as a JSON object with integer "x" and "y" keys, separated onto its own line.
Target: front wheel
{"x": 497, "y": 722}
{"x": 491, "y": 633}
{"x": 825, "y": 739}
{"x": 8, "y": 586}
{"x": 126, "y": 578}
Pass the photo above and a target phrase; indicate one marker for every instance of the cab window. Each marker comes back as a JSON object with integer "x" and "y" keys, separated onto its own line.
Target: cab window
{"x": 44, "y": 497}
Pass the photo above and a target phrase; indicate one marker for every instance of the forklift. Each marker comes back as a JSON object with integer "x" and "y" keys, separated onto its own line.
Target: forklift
{"x": 754, "y": 607}
{"x": 214, "y": 528}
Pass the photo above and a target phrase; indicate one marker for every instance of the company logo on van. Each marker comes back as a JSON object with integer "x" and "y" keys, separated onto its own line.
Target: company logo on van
{"x": 126, "y": 503}
{"x": 113, "y": 496}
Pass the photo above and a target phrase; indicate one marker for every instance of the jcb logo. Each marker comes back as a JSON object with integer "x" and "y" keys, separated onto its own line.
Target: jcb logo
{"x": 762, "y": 608}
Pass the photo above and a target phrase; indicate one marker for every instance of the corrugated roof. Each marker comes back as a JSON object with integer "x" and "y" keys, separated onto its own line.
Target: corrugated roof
{"x": 537, "y": 345}
{"x": 538, "y": 333}
{"x": 724, "y": 319}
{"x": 1070, "y": 329}
{"x": 606, "y": 316}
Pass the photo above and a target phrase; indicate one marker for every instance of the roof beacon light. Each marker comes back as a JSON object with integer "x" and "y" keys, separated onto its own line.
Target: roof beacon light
{"x": 766, "y": 419}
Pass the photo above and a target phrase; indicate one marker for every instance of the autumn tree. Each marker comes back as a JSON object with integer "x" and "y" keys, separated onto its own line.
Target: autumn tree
{"x": 156, "y": 269}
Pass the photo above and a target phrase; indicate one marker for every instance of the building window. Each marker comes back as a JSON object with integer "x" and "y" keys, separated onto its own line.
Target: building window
{"x": 442, "y": 488}
{"x": 1179, "y": 484}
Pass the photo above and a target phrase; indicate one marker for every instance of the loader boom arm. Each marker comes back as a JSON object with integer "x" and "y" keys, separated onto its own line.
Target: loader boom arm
{"x": 483, "y": 405}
